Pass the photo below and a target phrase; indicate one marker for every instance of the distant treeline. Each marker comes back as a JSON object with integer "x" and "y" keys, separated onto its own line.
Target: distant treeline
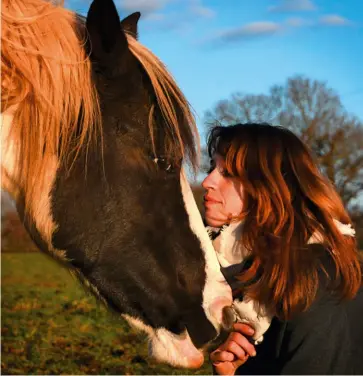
{"x": 14, "y": 238}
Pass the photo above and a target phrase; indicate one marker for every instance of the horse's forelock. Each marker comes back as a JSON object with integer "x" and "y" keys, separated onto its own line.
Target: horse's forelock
{"x": 181, "y": 138}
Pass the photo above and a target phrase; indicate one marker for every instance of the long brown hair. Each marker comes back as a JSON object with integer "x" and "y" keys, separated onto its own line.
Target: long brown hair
{"x": 286, "y": 200}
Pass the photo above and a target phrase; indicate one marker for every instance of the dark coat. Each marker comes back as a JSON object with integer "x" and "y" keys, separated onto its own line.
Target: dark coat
{"x": 326, "y": 339}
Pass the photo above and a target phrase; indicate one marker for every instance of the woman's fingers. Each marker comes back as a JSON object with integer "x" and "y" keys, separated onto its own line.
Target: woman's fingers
{"x": 228, "y": 368}
{"x": 236, "y": 349}
{"x": 244, "y": 329}
{"x": 243, "y": 342}
{"x": 221, "y": 356}
{"x": 236, "y": 345}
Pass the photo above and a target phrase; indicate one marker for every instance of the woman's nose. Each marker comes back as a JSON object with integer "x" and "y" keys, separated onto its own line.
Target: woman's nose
{"x": 207, "y": 183}
{"x": 204, "y": 183}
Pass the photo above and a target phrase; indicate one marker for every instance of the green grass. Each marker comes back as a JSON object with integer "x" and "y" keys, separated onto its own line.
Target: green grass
{"x": 51, "y": 326}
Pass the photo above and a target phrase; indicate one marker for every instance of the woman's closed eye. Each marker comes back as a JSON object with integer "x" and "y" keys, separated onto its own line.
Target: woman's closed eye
{"x": 224, "y": 172}
{"x": 212, "y": 166}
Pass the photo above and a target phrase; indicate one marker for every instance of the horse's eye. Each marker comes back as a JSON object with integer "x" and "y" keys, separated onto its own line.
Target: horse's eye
{"x": 97, "y": 70}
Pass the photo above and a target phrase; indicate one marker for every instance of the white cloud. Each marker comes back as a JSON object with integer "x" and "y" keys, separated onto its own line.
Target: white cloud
{"x": 197, "y": 8}
{"x": 327, "y": 20}
{"x": 258, "y": 28}
{"x": 162, "y": 15}
{"x": 334, "y": 20}
{"x": 155, "y": 17}
{"x": 293, "y": 6}
{"x": 297, "y": 22}
{"x": 248, "y": 31}
{"x": 202, "y": 11}
{"x": 144, "y": 6}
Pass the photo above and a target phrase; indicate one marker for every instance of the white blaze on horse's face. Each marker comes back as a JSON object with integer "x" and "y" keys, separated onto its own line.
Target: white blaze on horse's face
{"x": 217, "y": 293}
{"x": 179, "y": 350}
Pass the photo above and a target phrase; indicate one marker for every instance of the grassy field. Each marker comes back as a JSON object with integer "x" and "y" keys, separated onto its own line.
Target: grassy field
{"x": 51, "y": 326}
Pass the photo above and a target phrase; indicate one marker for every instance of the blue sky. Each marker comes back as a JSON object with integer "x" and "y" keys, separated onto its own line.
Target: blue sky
{"x": 217, "y": 47}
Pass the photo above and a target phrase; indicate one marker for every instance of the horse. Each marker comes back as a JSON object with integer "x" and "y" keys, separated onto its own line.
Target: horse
{"x": 96, "y": 135}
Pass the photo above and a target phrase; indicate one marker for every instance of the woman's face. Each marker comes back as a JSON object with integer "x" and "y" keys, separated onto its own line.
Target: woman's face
{"x": 224, "y": 196}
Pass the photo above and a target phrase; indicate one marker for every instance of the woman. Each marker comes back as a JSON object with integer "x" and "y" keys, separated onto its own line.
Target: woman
{"x": 290, "y": 242}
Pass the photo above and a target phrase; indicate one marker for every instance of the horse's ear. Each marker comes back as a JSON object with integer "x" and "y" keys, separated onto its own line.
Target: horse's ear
{"x": 106, "y": 37}
{"x": 129, "y": 24}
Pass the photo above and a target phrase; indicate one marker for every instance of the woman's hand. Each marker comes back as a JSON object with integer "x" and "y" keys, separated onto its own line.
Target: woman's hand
{"x": 235, "y": 351}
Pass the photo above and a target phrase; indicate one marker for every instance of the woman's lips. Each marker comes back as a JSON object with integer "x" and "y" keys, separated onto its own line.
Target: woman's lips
{"x": 210, "y": 200}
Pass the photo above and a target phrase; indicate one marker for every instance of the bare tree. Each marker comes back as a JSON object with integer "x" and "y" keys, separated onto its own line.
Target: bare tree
{"x": 314, "y": 112}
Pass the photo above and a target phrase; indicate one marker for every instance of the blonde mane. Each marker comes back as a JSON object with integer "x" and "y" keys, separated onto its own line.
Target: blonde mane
{"x": 169, "y": 96}
{"x": 46, "y": 75}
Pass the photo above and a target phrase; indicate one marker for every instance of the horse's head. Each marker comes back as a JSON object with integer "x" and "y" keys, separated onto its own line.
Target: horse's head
{"x": 123, "y": 212}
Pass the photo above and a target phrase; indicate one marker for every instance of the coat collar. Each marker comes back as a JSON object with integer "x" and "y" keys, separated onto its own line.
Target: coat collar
{"x": 226, "y": 240}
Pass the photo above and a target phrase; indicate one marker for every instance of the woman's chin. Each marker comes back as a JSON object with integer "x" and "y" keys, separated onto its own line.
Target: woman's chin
{"x": 214, "y": 222}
